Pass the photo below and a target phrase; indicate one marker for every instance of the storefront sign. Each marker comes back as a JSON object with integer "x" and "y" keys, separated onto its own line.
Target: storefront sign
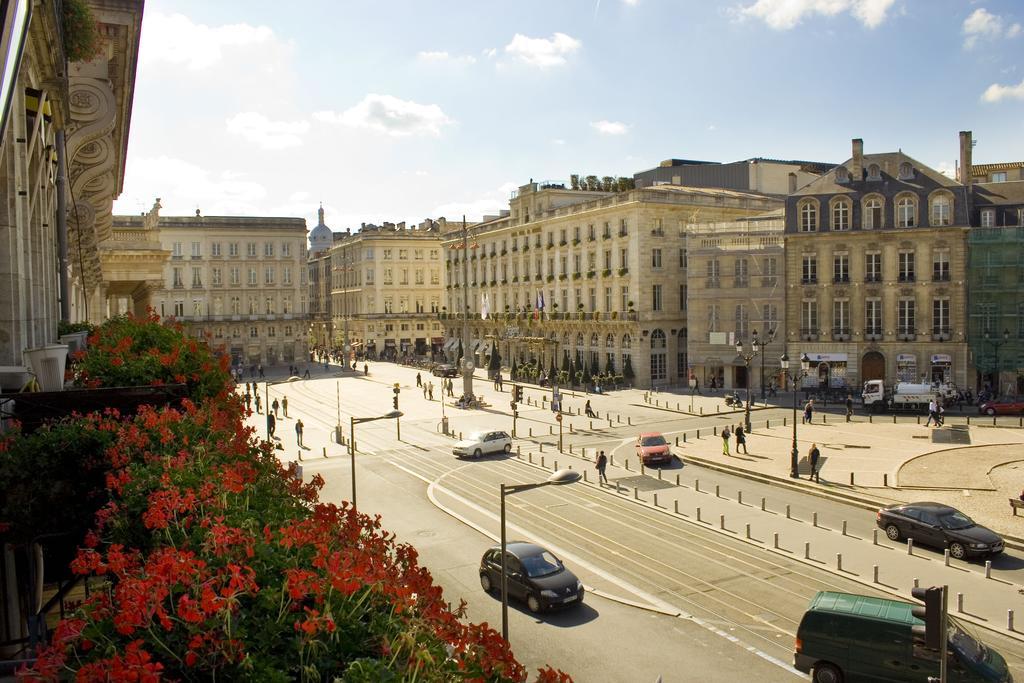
{"x": 906, "y": 358}
{"x": 827, "y": 357}
{"x": 941, "y": 358}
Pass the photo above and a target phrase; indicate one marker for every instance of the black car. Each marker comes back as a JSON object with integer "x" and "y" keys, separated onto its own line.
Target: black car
{"x": 940, "y": 526}
{"x": 535, "y": 575}
{"x": 445, "y": 371}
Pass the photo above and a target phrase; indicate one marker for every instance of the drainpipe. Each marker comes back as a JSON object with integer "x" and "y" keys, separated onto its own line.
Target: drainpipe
{"x": 62, "y": 229}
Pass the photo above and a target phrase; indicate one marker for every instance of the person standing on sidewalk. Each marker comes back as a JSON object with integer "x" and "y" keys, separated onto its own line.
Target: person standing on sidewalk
{"x": 430, "y": 391}
{"x": 741, "y": 440}
{"x": 271, "y": 425}
{"x": 275, "y": 405}
{"x": 298, "y": 433}
{"x": 602, "y": 465}
{"x": 725, "y": 440}
{"x": 809, "y": 411}
{"x": 813, "y": 457}
{"x": 933, "y": 413}
{"x": 849, "y": 408}
{"x": 419, "y": 380}
{"x": 259, "y": 404}
{"x": 284, "y": 405}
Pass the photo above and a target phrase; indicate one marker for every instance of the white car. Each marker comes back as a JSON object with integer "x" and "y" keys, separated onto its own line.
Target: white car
{"x": 481, "y": 443}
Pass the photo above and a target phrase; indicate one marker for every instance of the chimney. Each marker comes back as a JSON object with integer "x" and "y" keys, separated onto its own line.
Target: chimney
{"x": 966, "y": 147}
{"x": 857, "y": 164}
{"x": 792, "y": 183}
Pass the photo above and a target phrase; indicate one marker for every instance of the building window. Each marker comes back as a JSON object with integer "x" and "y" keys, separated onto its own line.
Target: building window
{"x": 179, "y": 309}
{"x": 177, "y": 278}
{"x": 254, "y": 333}
{"x": 682, "y": 258}
{"x": 906, "y": 212}
{"x": 940, "y": 265}
{"x": 873, "y": 267}
{"x": 250, "y": 249}
{"x": 810, "y": 270}
{"x": 215, "y": 248}
{"x": 941, "y": 211}
{"x": 841, "y": 215}
{"x": 840, "y": 317}
{"x": 809, "y": 317}
{"x": 940, "y": 316}
{"x": 905, "y": 322}
{"x": 656, "y": 258}
{"x": 714, "y": 318}
{"x": 874, "y": 172}
{"x": 682, "y": 297}
{"x": 656, "y": 298}
{"x": 713, "y": 274}
{"x": 873, "y": 214}
{"x": 623, "y": 227}
{"x": 808, "y": 217}
{"x": 770, "y": 316}
{"x": 286, "y": 275}
{"x": 268, "y": 276}
{"x": 176, "y": 250}
{"x": 999, "y": 177}
{"x": 658, "y": 365}
{"x": 217, "y": 276}
{"x": 840, "y": 268}
{"x": 873, "y": 317}
{"x": 232, "y": 248}
{"x": 268, "y": 249}
{"x": 906, "y": 171}
{"x": 196, "y": 250}
{"x": 197, "y": 278}
{"x": 906, "y": 273}
{"x": 624, "y": 258}
{"x": 286, "y": 249}
{"x": 742, "y": 319}
{"x": 988, "y": 218}
{"x": 608, "y": 299}
{"x": 741, "y": 272}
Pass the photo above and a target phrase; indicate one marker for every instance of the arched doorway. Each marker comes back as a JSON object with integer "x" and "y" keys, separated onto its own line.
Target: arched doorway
{"x": 872, "y": 366}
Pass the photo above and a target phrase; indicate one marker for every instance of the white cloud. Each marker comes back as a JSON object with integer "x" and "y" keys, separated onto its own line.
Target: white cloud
{"x": 631, "y": 3}
{"x": 997, "y": 93}
{"x": 1013, "y": 31}
{"x": 299, "y": 196}
{"x": 258, "y": 129}
{"x": 542, "y": 52}
{"x": 785, "y": 14}
{"x": 388, "y": 114}
{"x": 610, "y": 127}
{"x": 946, "y": 168}
{"x": 490, "y": 52}
{"x": 982, "y": 24}
{"x": 175, "y": 39}
{"x": 182, "y": 186}
{"x": 441, "y": 57}
{"x": 474, "y": 209}
{"x": 712, "y": 126}
{"x": 558, "y": 141}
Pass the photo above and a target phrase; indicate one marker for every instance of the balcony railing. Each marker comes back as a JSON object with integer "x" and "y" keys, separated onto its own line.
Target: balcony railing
{"x": 841, "y": 333}
{"x": 808, "y": 334}
{"x": 906, "y": 277}
{"x": 873, "y": 277}
{"x": 906, "y": 334}
{"x": 941, "y": 334}
{"x": 809, "y": 280}
{"x": 873, "y": 334}
{"x": 940, "y": 276}
{"x": 840, "y": 279}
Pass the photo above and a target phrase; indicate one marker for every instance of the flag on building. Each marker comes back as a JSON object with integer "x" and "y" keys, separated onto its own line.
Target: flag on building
{"x": 540, "y": 305}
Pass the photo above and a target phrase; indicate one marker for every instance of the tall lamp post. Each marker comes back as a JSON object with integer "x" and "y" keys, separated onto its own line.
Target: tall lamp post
{"x": 996, "y": 344}
{"x": 767, "y": 341}
{"x": 805, "y": 365}
{"x": 558, "y": 478}
{"x": 755, "y": 348}
{"x": 266, "y": 396}
{"x": 353, "y": 421}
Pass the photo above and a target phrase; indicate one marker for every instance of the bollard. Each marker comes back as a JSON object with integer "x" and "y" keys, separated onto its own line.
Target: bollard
{"x": 542, "y": 461}
{"x": 1009, "y": 620}
{"x": 698, "y": 515}
{"x": 609, "y": 422}
{"x": 627, "y": 464}
{"x": 918, "y": 419}
{"x": 747, "y": 530}
{"x": 570, "y": 448}
{"x": 945, "y": 556}
{"x": 714, "y": 430}
{"x": 555, "y": 468}
{"x": 739, "y": 497}
{"x": 762, "y": 504}
{"x": 807, "y": 550}
{"x": 696, "y": 485}
{"x": 655, "y": 500}
{"x": 839, "y": 562}
{"x": 702, "y": 410}
{"x": 698, "y": 433}
{"x": 959, "y": 602}
{"x": 910, "y": 546}
{"x": 300, "y": 456}
{"x": 676, "y": 507}
{"x": 988, "y": 569}
{"x": 617, "y": 488}
{"x": 541, "y": 446}
{"x": 824, "y": 418}
{"x": 885, "y": 479}
{"x": 677, "y": 480}
{"x": 643, "y": 472}
{"x": 551, "y": 430}
{"x": 584, "y": 476}
{"x": 677, "y": 440}
{"x": 629, "y": 421}
{"x": 659, "y": 474}
{"x": 684, "y": 437}
{"x": 784, "y": 420}
{"x": 325, "y": 451}
{"x": 721, "y": 522}
{"x": 894, "y": 419}
{"x": 851, "y": 478}
{"x": 917, "y": 584}
{"x": 677, "y": 405}
{"x": 571, "y": 429}
{"x": 591, "y": 425}
{"x": 775, "y": 539}
{"x": 814, "y": 519}
{"x": 531, "y": 432}
{"x": 636, "y": 493}
{"x": 519, "y": 450}
{"x": 611, "y": 460}
{"x": 787, "y": 512}
{"x": 871, "y": 418}
{"x": 844, "y": 527}
{"x": 529, "y": 457}
{"x": 874, "y": 536}
{"x": 460, "y": 436}
{"x": 874, "y": 573}
{"x": 717, "y": 491}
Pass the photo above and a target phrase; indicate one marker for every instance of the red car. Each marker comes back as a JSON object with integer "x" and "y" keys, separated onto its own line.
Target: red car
{"x": 652, "y": 449}
{"x": 1002, "y": 406}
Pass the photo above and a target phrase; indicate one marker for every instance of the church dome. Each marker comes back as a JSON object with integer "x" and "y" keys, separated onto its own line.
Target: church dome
{"x": 321, "y": 237}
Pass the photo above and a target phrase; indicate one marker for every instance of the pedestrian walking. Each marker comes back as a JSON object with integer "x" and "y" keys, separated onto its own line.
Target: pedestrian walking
{"x": 419, "y": 380}
{"x": 284, "y": 405}
{"x": 501, "y": 383}
{"x": 809, "y": 411}
{"x": 451, "y": 389}
{"x": 276, "y": 406}
{"x": 298, "y": 433}
{"x": 725, "y": 440}
{"x": 430, "y": 391}
{"x": 261, "y": 371}
{"x": 258, "y": 404}
{"x": 588, "y": 410}
{"x": 813, "y": 457}
{"x": 602, "y": 464}
{"x": 366, "y": 369}
{"x": 248, "y": 401}
{"x": 271, "y": 424}
{"x": 424, "y": 387}
{"x": 933, "y": 413}
{"x": 305, "y": 375}
{"x": 849, "y": 408}
{"x": 741, "y": 439}
{"x": 940, "y": 416}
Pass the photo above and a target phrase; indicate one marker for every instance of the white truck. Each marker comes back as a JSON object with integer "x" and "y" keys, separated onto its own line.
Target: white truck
{"x": 904, "y": 396}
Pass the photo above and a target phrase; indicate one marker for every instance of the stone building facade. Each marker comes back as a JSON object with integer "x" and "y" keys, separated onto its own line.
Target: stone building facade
{"x": 736, "y": 282}
{"x": 600, "y": 276}
{"x": 876, "y": 270}
{"x": 386, "y": 287}
{"x": 239, "y": 282}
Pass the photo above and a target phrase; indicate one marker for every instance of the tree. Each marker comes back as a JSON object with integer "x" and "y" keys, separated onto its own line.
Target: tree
{"x": 552, "y": 372}
{"x": 587, "y": 376}
{"x": 626, "y": 184}
{"x": 594, "y": 369}
{"x": 574, "y": 181}
{"x": 627, "y": 369}
{"x": 608, "y": 183}
{"x": 593, "y": 183}
{"x": 566, "y": 363}
{"x": 514, "y": 372}
{"x": 494, "y": 367}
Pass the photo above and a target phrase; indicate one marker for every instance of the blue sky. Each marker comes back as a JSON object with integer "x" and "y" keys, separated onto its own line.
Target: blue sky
{"x": 407, "y": 109}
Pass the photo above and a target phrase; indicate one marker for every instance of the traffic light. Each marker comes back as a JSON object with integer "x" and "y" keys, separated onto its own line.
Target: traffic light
{"x": 394, "y": 402}
{"x": 931, "y": 614}
{"x": 517, "y": 394}
{"x": 396, "y": 390}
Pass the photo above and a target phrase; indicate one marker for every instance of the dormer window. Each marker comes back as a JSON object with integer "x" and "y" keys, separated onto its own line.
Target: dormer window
{"x": 906, "y": 171}
{"x": 874, "y": 172}
{"x": 842, "y": 175}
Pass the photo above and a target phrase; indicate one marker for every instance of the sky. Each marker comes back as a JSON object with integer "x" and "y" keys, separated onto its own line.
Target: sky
{"x": 412, "y": 109}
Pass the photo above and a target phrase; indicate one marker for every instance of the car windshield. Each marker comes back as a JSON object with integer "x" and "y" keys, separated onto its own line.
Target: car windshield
{"x": 653, "y": 441}
{"x": 542, "y": 564}
{"x": 955, "y": 520}
{"x": 476, "y": 436}
{"x": 964, "y": 644}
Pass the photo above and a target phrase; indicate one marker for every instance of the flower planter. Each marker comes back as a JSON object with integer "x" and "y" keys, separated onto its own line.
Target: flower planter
{"x": 48, "y": 363}
{"x": 76, "y": 341}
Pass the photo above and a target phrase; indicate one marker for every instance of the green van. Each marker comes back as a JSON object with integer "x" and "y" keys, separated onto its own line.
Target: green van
{"x": 846, "y": 638}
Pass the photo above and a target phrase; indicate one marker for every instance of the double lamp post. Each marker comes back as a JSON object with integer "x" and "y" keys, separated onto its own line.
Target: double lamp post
{"x": 794, "y": 377}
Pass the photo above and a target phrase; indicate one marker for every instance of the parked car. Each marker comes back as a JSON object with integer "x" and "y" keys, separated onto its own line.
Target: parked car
{"x": 1002, "y": 406}
{"x": 481, "y": 443}
{"x": 445, "y": 370}
{"x": 939, "y": 526}
{"x": 535, "y": 576}
{"x": 653, "y": 449}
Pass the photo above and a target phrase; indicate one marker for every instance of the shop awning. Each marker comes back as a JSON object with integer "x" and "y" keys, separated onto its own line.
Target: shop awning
{"x": 451, "y": 345}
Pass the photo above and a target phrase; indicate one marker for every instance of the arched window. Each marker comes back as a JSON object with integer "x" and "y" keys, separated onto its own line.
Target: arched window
{"x": 657, "y": 339}
{"x": 658, "y": 365}
{"x": 594, "y": 341}
{"x": 627, "y": 341}
{"x": 906, "y": 171}
{"x": 874, "y": 172}
{"x": 842, "y": 175}
{"x": 609, "y": 341}
{"x": 941, "y": 213}
{"x": 841, "y": 214}
{"x": 808, "y": 217}
{"x": 873, "y": 213}
{"x": 579, "y": 340}
{"x": 906, "y": 212}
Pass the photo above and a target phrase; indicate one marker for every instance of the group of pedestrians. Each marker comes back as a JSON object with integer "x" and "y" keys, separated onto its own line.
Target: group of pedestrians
{"x": 741, "y": 439}
{"x": 936, "y": 413}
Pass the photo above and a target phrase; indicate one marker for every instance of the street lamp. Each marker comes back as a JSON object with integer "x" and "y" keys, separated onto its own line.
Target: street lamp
{"x": 266, "y": 396}
{"x": 353, "y": 421}
{"x": 769, "y": 340}
{"x": 755, "y": 348}
{"x": 995, "y": 348}
{"x": 805, "y": 365}
{"x": 558, "y": 478}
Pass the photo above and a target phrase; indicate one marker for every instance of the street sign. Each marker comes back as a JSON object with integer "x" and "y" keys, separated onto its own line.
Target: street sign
{"x": 558, "y": 417}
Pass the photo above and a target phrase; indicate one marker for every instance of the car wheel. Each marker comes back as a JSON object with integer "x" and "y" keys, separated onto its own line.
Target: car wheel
{"x": 507, "y": 448}
{"x": 477, "y": 453}
{"x": 893, "y": 532}
{"x": 957, "y": 550}
{"x": 990, "y": 412}
{"x": 826, "y": 672}
{"x": 485, "y": 583}
{"x": 533, "y": 604}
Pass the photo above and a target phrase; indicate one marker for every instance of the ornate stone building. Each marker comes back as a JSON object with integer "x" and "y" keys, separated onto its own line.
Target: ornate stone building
{"x": 876, "y": 268}
{"x": 239, "y": 282}
{"x": 609, "y": 270}
{"x": 321, "y": 320}
{"x": 386, "y": 289}
{"x": 62, "y": 158}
